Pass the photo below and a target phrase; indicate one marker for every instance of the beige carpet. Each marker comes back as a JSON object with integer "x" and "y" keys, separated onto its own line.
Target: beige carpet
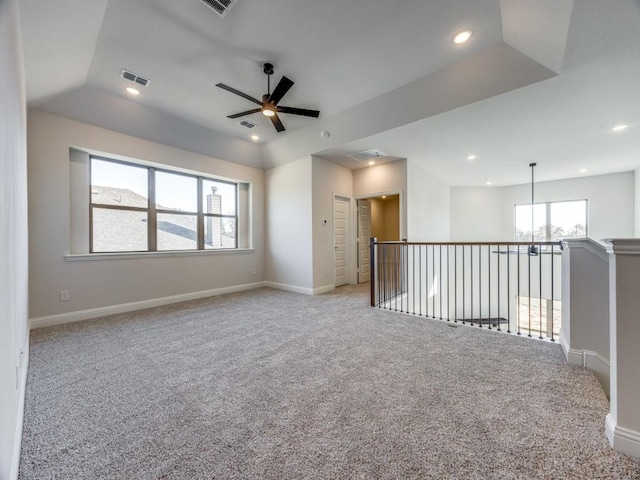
{"x": 274, "y": 385}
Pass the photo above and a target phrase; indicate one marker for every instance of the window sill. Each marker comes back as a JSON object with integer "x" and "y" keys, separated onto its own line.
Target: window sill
{"x": 83, "y": 257}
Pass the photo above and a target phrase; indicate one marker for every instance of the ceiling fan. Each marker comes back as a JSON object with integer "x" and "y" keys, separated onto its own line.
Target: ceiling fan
{"x": 269, "y": 104}
{"x": 531, "y": 250}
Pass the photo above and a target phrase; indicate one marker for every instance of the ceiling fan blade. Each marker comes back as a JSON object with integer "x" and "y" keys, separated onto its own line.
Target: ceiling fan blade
{"x": 277, "y": 123}
{"x": 238, "y": 92}
{"x": 242, "y": 114}
{"x": 299, "y": 111}
{"x": 281, "y": 89}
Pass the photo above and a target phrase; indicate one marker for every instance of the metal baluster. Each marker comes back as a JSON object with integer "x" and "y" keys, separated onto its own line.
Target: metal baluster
{"x": 540, "y": 292}
{"x": 529, "y": 282}
{"x": 401, "y": 274}
{"x": 518, "y": 295}
{"x": 413, "y": 278}
{"x": 552, "y": 303}
{"x": 464, "y": 299}
{"x": 386, "y": 275}
{"x": 499, "y": 291}
{"x": 480, "y": 286}
{"x": 433, "y": 284}
{"x": 471, "y": 287}
{"x": 489, "y": 274}
{"x": 440, "y": 289}
{"x": 448, "y": 285}
{"x": 455, "y": 282}
{"x": 420, "y": 278}
{"x": 508, "y": 289}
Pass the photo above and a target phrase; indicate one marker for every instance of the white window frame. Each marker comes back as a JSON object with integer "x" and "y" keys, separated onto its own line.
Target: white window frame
{"x": 80, "y": 182}
{"x": 548, "y": 217}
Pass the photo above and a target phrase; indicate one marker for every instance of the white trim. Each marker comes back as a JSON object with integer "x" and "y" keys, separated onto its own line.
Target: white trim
{"x": 289, "y": 288}
{"x": 623, "y": 246}
{"x": 600, "y": 367}
{"x": 324, "y": 289}
{"x": 83, "y": 257}
{"x": 575, "y": 357}
{"x": 79, "y": 315}
{"x": 591, "y": 360}
{"x": 623, "y": 440}
{"x": 565, "y": 347}
{"x": 351, "y": 236}
{"x": 17, "y": 439}
{"x": 401, "y": 212}
{"x": 588, "y": 244}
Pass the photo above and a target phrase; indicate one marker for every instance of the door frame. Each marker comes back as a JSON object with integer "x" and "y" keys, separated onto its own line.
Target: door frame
{"x": 401, "y": 213}
{"x": 351, "y": 244}
{"x": 401, "y": 217}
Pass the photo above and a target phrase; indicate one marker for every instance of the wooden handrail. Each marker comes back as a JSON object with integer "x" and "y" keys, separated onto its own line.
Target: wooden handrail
{"x": 557, "y": 243}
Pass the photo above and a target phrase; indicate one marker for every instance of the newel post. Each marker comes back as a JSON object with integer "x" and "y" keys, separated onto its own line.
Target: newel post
{"x": 623, "y": 421}
{"x": 372, "y": 270}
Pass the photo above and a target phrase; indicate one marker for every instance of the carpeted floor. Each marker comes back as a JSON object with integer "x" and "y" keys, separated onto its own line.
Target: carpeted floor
{"x": 273, "y": 385}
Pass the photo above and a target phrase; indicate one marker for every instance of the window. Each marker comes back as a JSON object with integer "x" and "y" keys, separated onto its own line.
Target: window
{"x": 137, "y": 208}
{"x": 551, "y": 221}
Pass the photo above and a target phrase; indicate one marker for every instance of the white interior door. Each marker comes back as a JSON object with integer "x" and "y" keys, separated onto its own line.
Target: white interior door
{"x": 364, "y": 234}
{"x": 340, "y": 240}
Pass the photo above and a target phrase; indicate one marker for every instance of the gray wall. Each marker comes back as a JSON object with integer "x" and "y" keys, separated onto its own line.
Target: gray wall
{"x": 13, "y": 239}
{"x": 487, "y": 213}
{"x": 96, "y": 284}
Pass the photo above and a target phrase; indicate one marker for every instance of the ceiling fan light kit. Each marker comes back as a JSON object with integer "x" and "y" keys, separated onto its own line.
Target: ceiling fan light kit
{"x": 269, "y": 103}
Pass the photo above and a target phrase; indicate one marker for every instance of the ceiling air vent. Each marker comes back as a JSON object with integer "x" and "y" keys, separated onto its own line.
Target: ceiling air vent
{"x": 134, "y": 78}
{"x": 221, "y": 7}
{"x": 367, "y": 155}
{"x": 244, "y": 123}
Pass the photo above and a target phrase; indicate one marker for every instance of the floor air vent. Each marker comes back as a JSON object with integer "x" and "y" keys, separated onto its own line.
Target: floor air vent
{"x": 367, "y": 155}
{"x": 135, "y": 78}
{"x": 221, "y": 7}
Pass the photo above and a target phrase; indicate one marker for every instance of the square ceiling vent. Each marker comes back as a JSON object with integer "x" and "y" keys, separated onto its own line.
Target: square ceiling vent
{"x": 221, "y": 7}
{"x": 366, "y": 155}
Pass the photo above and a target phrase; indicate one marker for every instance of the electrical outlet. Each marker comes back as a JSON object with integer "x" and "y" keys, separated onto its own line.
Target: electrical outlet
{"x": 64, "y": 295}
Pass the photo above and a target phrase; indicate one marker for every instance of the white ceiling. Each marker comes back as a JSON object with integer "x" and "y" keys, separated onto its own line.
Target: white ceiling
{"x": 539, "y": 81}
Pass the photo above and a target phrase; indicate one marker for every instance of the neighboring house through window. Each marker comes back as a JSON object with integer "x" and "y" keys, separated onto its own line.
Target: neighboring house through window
{"x": 137, "y": 208}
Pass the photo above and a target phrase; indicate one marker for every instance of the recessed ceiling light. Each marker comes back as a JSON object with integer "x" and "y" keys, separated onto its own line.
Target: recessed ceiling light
{"x": 462, "y": 37}
{"x": 619, "y": 128}
{"x": 132, "y": 91}
{"x": 384, "y": 196}
{"x": 471, "y": 157}
{"x": 255, "y": 138}
{"x": 489, "y": 182}
{"x": 371, "y": 162}
{"x": 583, "y": 170}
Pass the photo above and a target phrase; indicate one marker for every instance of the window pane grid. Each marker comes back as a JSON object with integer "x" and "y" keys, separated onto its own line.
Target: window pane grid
{"x": 179, "y": 211}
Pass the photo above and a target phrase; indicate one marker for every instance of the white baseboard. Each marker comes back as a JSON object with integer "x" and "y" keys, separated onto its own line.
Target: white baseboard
{"x": 595, "y": 362}
{"x": 289, "y": 288}
{"x": 575, "y": 357}
{"x": 324, "y": 289}
{"x": 565, "y": 347}
{"x": 17, "y": 439}
{"x": 623, "y": 440}
{"x": 77, "y": 316}
{"x": 601, "y": 368}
